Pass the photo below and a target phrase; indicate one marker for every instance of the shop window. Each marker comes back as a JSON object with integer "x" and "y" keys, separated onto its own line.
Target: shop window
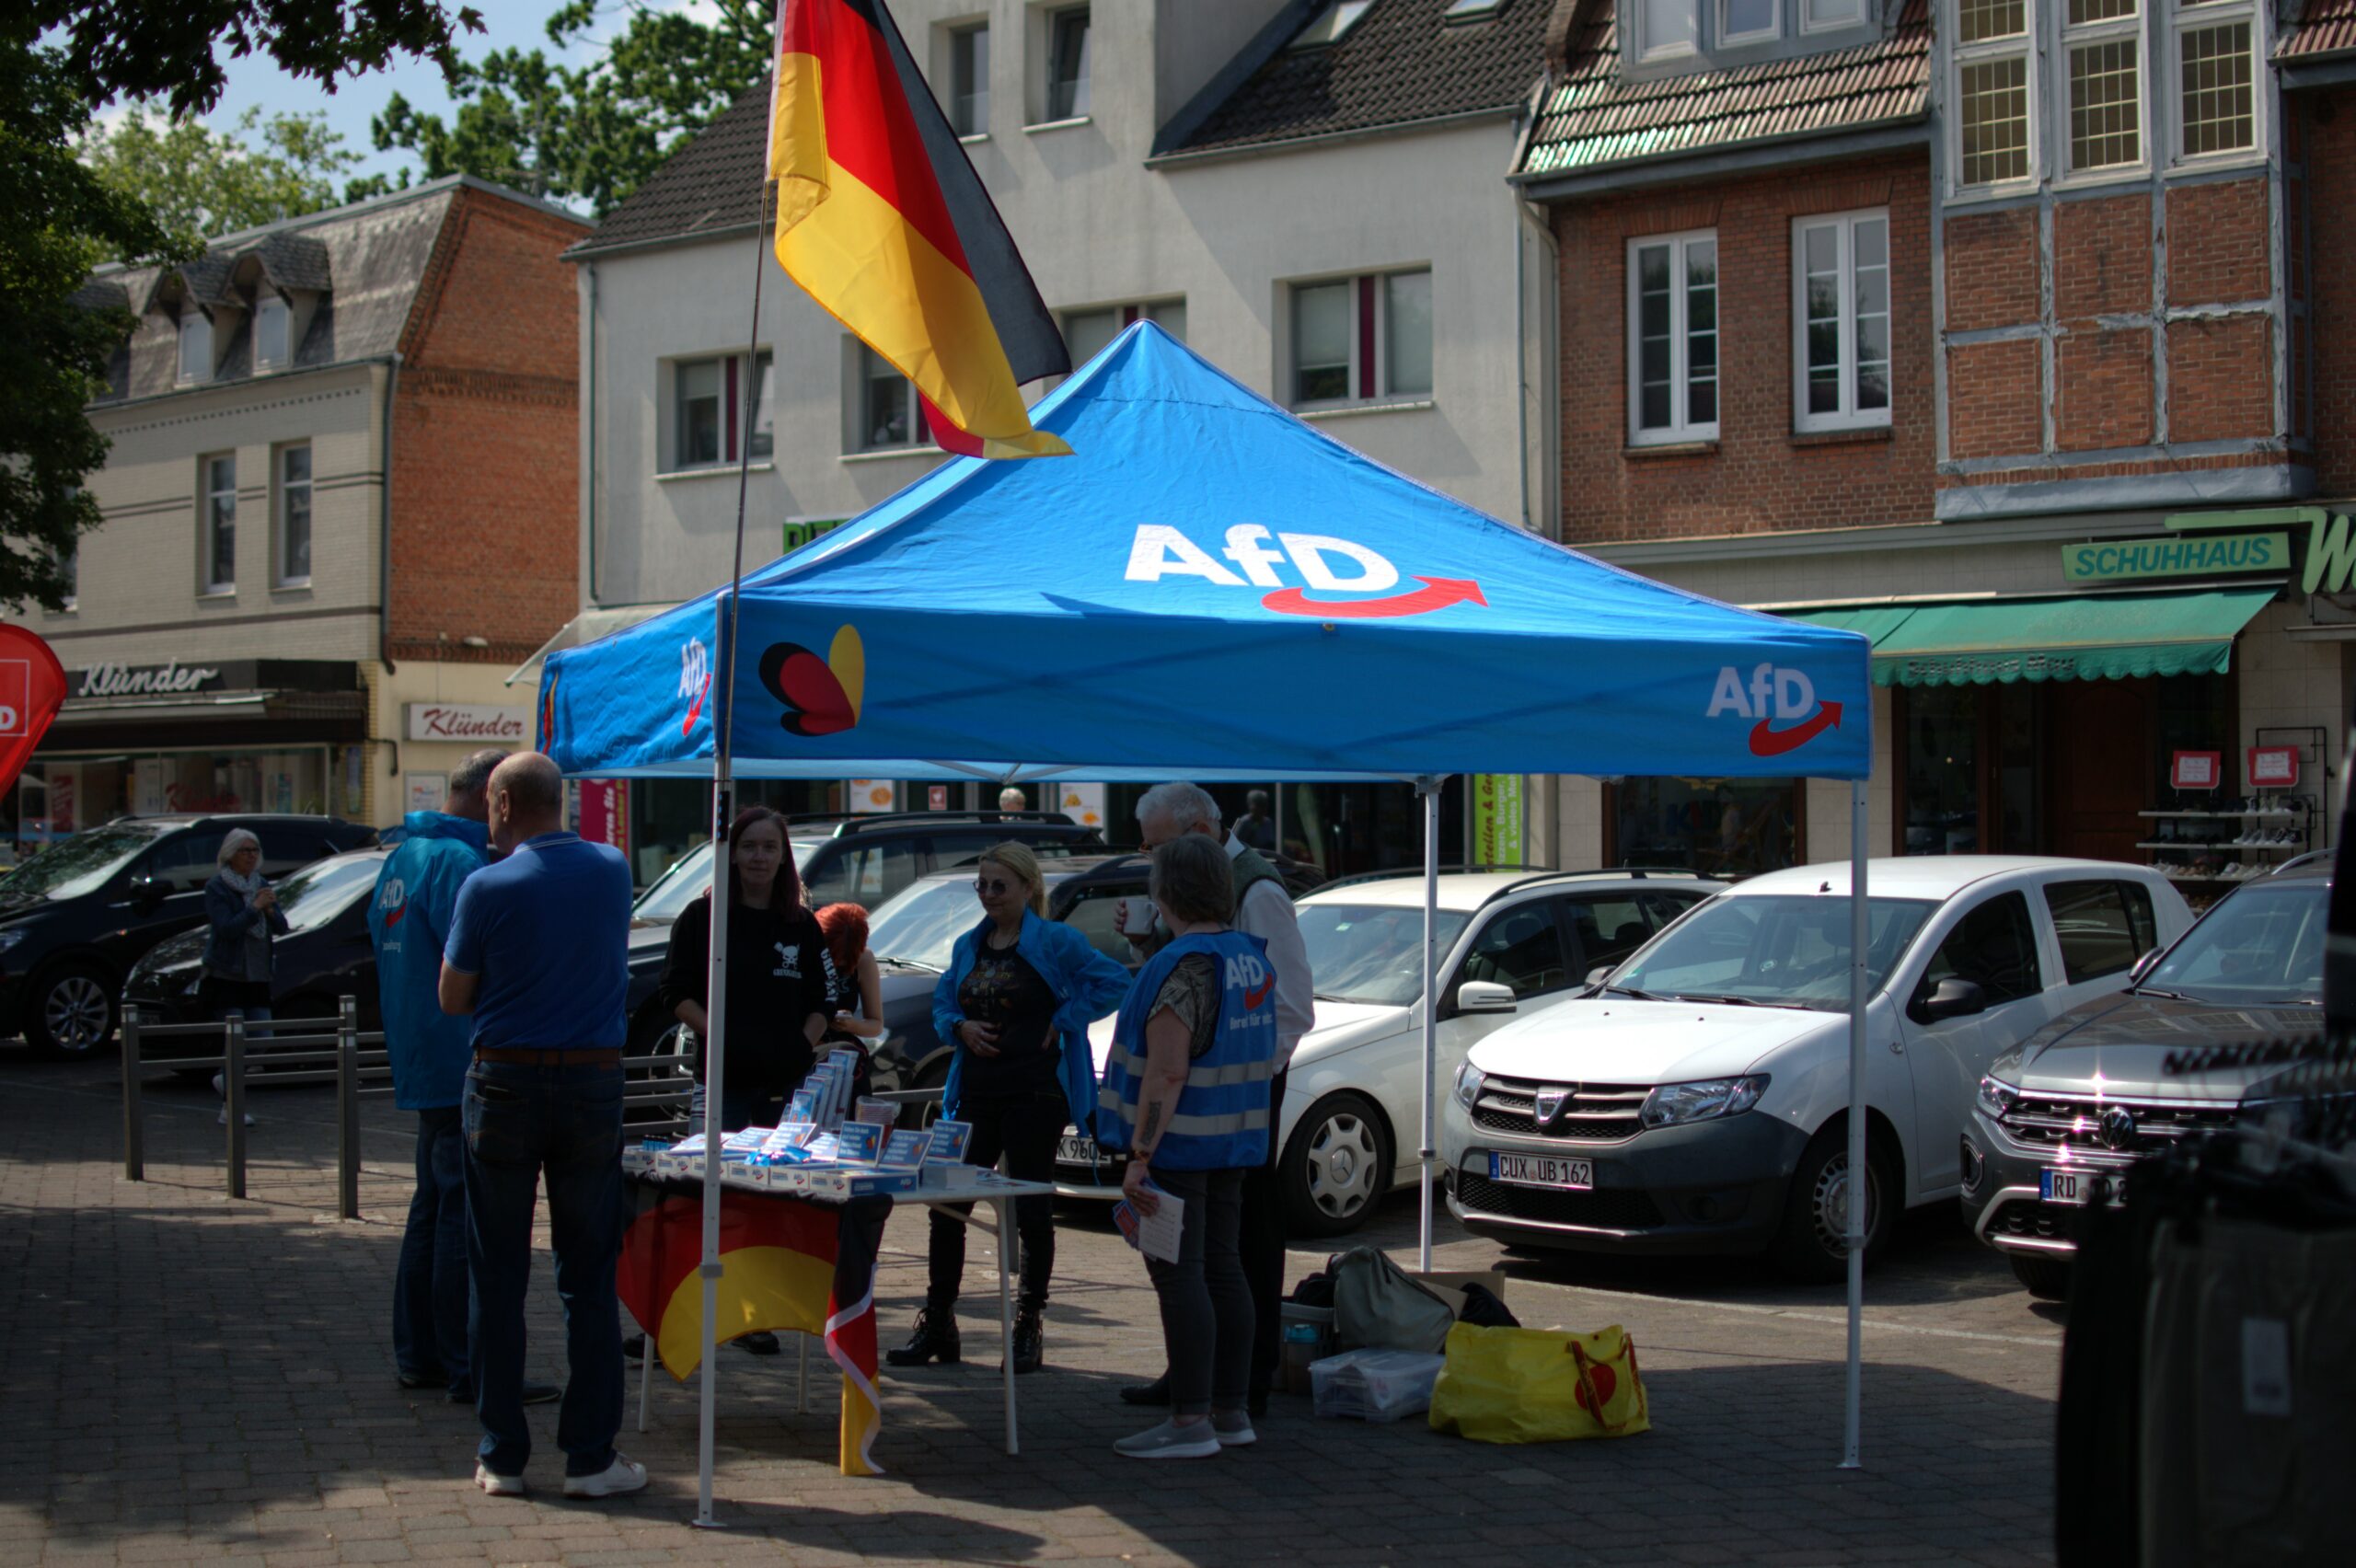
{"x": 219, "y": 543}
{"x": 294, "y": 517}
{"x": 1363, "y": 339}
{"x": 1840, "y": 320}
{"x": 2104, "y": 927}
{"x": 1734, "y": 827}
{"x": 1673, "y": 339}
{"x": 890, "y": 413}
{"x": 969, "y": 80}
{"x": 1942, "y": 746}
{"x": 1521, "y": 947}
{"x": 1067, "y": 64}
{"x": 1995, "y": 947}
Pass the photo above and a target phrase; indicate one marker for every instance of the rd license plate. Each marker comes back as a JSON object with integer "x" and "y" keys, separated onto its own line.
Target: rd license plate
{"x": 2057, "y": 1186}
{"x": 1072, "y": 1149}
{"x": 1542, "y": 1171}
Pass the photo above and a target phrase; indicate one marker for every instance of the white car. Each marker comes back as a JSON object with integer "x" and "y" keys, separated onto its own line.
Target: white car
{"x": 1354, "y": 1094}
{"x": 1697, "y": 1101}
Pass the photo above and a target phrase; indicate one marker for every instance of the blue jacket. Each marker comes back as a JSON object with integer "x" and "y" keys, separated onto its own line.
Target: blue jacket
{"x": 232, "y": 920}
{"x": 1220, "y": 1121}
{"x": 408, "y": 920}
{"x": 1087, "y": 986}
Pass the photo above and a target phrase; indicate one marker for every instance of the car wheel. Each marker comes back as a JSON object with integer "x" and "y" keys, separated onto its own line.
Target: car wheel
{"x": 1337, "y": 1164}
{"x": 2046, "y": 1278}
{"x": 73, "y": 1013}
{"x": 1812, "y": 1243}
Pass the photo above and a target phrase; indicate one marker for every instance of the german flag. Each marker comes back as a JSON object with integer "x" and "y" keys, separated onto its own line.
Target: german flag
{"x": 883, "y": 221}
{"x": 786, "y": 1264}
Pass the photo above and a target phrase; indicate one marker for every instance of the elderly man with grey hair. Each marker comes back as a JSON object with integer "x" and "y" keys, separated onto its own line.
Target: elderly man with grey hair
{"x": 1263, "y": 908}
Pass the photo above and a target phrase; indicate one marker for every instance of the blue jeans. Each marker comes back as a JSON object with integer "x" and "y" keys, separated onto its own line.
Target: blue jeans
{"x": 520, "y": 1122}
{"x": 430, "y": 1281}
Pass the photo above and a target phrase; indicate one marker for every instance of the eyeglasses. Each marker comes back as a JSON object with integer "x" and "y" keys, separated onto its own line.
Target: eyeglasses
{"x": 992, "y": 884}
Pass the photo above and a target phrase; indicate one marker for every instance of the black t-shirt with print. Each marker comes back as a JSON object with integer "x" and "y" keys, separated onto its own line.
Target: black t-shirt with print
{"x": 1004, "y": 990}
{"x": 778, "y": 975}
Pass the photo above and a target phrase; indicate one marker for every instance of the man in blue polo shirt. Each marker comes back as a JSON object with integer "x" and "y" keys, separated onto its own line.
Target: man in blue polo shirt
{"x": 537, "y": 952}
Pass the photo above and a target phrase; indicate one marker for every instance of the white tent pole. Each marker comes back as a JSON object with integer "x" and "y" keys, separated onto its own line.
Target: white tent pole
{"x": 1428, "y": 788}
{"x": 1860, "y": 930}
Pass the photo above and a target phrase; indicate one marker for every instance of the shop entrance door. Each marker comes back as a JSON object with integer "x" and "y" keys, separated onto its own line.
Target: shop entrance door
{"x": 2100, "y": 738}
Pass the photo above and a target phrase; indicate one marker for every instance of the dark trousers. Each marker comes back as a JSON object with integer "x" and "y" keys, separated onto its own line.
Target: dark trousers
{"x": 522, "y": 1121}
{"x": 1261, "y": 1244}
{"x": 1024, "y": 1130}
{"x": 430, "y": 1281}
{"x": 1205, "y": 1304}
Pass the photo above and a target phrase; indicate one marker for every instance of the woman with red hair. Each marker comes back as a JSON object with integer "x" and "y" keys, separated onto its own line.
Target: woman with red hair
{"x": 859, "y": 985}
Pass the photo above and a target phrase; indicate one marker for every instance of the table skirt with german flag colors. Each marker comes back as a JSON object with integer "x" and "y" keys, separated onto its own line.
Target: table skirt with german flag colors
{"x": 787, "y": 1264}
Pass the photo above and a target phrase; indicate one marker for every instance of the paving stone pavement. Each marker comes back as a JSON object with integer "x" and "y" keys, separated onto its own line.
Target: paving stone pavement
{"x": 192, "y": 1379}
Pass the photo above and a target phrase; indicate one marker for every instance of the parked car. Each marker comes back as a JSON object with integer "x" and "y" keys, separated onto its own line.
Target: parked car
{"x": 2059, "y": 1122}
{"x": 77, "y": 917}
{"x": 1354, "y": 1095}
{"x": 1698, "y": 1102}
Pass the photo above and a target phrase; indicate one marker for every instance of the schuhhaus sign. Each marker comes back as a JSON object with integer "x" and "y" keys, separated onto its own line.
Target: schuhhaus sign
{"x": 469, "y": 721}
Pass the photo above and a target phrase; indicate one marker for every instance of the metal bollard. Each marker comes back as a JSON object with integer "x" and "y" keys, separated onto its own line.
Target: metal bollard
{"x": 134, "y": 1116}
{"x": 346, "y": 1111}
{"x": 232, "y": 1087}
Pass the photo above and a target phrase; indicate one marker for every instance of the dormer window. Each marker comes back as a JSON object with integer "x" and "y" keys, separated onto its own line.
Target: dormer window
{"x": 271, "y": 325}
{"x": 1670, "y": 27}
{"x": 1330, "y": 24}
{"x": 196, "y": 346}
{"x": 1750, "y": 21}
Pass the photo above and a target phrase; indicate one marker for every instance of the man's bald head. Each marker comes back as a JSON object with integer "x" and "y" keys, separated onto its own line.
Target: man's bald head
{"x": 527, "y": 799}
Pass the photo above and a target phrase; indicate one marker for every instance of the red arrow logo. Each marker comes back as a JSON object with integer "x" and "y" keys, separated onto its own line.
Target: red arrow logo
{"x": 1253, "y": 999}
{"x": 1437, "y": 594}
{"x": 687, "y": 725}
{"x": 1765, "y": 741}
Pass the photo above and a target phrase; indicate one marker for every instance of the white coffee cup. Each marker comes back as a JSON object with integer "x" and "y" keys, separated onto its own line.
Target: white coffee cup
{"x": 1138, "y": 916}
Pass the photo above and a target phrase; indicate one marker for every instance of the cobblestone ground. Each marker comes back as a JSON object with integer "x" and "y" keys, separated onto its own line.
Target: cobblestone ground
{"x": 188, "y": 1378}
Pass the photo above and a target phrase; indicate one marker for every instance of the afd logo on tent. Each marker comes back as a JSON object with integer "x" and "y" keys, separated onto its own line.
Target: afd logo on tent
{"x": 1324, "y": 565}
{"x": 695, "y": 680}
{"x": 1772, "y": 696}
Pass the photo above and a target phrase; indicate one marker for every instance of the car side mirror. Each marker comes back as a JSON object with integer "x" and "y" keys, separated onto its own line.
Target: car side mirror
{"x": 1951, "y": 997}
{"x": 1597, "y": 975}
{"x": 2143, "y": 967}
{"x": 146, "y": 893}
{"x": 1485, "y": 997}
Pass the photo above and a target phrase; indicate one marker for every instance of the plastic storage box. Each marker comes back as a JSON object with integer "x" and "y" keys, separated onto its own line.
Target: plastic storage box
{"x": 1374, "y": 1385}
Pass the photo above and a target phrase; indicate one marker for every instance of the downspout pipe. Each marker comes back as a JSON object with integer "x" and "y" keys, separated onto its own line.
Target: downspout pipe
{"x": 385, "y": 523}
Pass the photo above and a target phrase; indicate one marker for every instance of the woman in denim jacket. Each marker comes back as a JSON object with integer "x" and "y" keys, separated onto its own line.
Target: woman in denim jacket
{"x": 242, "y": 917}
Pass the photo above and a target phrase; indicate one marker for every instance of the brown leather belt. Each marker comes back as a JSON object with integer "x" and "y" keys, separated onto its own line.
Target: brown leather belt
{"x": 520, "y": 1056}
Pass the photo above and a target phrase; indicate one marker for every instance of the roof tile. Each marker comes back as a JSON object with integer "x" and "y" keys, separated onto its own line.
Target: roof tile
{"x": 2325, "y": 26}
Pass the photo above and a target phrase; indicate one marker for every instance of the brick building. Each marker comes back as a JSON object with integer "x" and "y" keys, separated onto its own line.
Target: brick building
{"x": 2000, "y": 330}
{"x": 340, "y": 507}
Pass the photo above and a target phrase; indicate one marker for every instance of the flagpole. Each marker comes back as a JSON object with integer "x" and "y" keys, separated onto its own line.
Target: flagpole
{"x": 722, "y": 895}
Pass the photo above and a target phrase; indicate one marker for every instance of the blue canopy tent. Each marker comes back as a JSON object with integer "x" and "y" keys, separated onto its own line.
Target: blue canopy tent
{"x": 1211, "y": 588}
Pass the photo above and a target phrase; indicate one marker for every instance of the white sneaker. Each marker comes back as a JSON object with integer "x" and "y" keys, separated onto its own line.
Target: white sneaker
{"x": 624, "y": 1475}
{"x": 499, "y": 1485}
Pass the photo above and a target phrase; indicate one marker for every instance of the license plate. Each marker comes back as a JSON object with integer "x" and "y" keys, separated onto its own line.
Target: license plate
{"x": 1072, "y": 1149}
{"x": 1542, "y": 1171}
{"x": 2057, "y": 1186}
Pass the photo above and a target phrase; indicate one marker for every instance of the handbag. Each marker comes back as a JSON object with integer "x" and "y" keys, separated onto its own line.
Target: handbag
{"x": 1375, "y": 1305}
{"x": 1540, "y": 1386}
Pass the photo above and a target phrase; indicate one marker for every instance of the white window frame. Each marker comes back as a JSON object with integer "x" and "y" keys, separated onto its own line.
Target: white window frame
{"x": 268, "y": 306}
{"x": 208, "y": 523}
{"x": 1683, "y": 49}
{"x": 1084, "y": 90}
{"x": 1680, "y": 429}
{"x": 2183, "y": 18}
{"x": 1382, "y": 397}
{"x": 1848, "y": 416}
{"x": 2022, "y": 45}
{"x": 195, "y": 327}
{"x": 2071, "y": 37}
{"x": 282, "y": 521}
{"x": 1811, "y": 23}
{"x": 1729, "y": 39}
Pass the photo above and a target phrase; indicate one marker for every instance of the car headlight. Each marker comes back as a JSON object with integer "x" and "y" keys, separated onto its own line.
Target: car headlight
{"x": 11, "y": 937}
{"x": 1674, "y": 1104}
{"x": 1996, "y": 1097}
{"x": 1468, "y": 1085}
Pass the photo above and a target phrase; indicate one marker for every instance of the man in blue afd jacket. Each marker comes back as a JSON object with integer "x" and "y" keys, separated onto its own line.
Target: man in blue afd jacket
{"x": 408, "y": 921}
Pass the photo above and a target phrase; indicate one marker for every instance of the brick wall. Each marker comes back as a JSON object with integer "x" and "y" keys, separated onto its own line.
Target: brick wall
{"x": 1760, "y": 476}
{"x": 485, "y": 442}
{"x": 2328, "y": 126}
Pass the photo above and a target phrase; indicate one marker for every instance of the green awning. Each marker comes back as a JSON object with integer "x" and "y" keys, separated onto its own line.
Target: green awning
{"x": 2100, "y": 637}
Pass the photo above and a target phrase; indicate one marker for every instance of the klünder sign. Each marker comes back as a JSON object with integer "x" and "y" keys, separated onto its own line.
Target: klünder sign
{"x": 145, "y": 680}
{"x": 469, "y": 721}
{"x": 2180, "y": 557}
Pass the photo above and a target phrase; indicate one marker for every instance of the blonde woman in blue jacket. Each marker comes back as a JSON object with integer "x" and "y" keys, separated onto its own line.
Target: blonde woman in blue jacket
{"x": 1017, "y": 999}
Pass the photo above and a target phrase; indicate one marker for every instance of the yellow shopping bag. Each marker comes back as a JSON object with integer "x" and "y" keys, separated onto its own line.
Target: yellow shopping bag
{"x": 1539, "y": 1386}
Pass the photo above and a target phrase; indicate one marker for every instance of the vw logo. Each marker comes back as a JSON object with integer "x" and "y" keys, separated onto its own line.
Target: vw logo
{"x": 1548, "y": 1109}
{"x": 2117, "y": 1128}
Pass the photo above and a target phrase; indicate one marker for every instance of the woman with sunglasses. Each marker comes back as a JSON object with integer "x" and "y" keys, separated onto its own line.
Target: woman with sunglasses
{"x": 1016, "y": 1000}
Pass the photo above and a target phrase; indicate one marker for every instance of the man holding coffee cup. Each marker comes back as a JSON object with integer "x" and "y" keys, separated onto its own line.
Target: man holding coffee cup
{"x": 1264, "y": 909}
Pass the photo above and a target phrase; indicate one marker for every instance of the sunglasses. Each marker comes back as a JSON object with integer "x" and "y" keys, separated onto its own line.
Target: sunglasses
{"x": 994, "y": 884}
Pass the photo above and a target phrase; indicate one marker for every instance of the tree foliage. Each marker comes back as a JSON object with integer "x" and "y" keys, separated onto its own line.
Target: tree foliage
{"x": 204, "y": 182}
{"x": 591, "y": 132}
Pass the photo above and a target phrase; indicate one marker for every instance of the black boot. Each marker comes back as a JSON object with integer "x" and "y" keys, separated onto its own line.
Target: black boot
{"x": 1029, "y": 1351}
{"x": 936, "y": 1339}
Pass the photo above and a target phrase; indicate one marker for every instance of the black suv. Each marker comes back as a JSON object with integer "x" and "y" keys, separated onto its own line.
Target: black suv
{"x": 77, "y": 917}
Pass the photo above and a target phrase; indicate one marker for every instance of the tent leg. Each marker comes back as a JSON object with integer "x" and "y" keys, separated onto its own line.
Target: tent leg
{"x": 1860, "y": 930}
{"x": 1429, "y": 790}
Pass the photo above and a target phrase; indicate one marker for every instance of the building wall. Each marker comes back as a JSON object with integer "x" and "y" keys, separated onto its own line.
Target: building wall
{"x": 1761, "y": 474}
{"x": 2325, "y": 122}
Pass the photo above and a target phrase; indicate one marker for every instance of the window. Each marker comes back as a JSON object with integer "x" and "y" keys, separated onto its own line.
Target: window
{"x": 294, "y": 516}
{"x": 1991, "y": 92}
{"x": 186, "y": 862}
{"x": 1609, "y": 929}
{"x": 1068, "y": 64}
{"x": 220, "y": 532}
{"x": 1335, "y": 20}
{"x": 196, "y": 345}
{"x": 1087, "y": 333}
{"x": 760, "y": 412}
{"x": 1470, "y": 10}
{"x": 1096, "y": 913}
{"x": 713, "y": 420}
{"x": 1673, "y": 339}
{"x": 271, "y": 352}
{"x": 868, "y": 875}
{"x": 1521, "y": 947}
{"x": 1749, "y": 21}
{"x": 1820, "y": 15}
{"x": 2103, "y": 927}
{"x": 2217, "y": 109}
{"x": 1995, "y": 947}
{"x": 1362, "y": 339}
{"x": 698, "y": 414}
{"x": 1667, "y": 28}
{"x": 890, "y": 412}
{"x": 1733, "y": 827}
{"x": 1841, "y": 313}
{"x": 969, "y": 81}
{"x": 2102, "y": 43}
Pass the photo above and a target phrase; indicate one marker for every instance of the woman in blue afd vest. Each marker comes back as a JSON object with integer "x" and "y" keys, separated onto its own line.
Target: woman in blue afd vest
{"x": 1187, "y": 1093}
{"x": 1018, "y": 998}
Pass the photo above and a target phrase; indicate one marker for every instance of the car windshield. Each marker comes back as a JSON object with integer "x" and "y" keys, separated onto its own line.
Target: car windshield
{"x": 2263, "y": 944}
{"x": 324, "y": 888}
{"x": 1372, "y": 953}
{"x": 689, "y": 878}
{"x": 77, "y": 865}
{"x": 922, "y": 924}
{"x": 1785, "y": 950}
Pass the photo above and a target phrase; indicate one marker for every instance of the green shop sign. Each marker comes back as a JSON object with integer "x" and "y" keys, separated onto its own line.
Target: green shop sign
{"x": 2331, "y": 547}
{"x": 2176, "y": 556}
